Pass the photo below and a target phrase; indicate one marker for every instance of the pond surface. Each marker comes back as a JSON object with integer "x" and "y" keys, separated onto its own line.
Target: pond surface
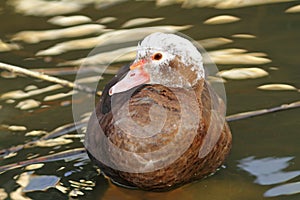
{"x": 265, "y": 159}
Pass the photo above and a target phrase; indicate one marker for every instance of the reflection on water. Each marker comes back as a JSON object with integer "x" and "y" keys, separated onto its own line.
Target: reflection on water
{"x": 220, "y": 4}
{"x": 255, "y": 52}
{"x": 285, "y": 189}
{"x": 8, "y": 46}
{"x": 293, "y": 9}
{"x": 110, "y": 38}
{"x": 77, "y": 31}
{"x": 50, "y": 8}
{"x": 268, "y": 171}
{"x": 69, "y": 20}
{"x": 222, "y": 19}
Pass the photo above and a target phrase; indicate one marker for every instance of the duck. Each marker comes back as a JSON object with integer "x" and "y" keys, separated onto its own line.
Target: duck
{"x": 159, "y": 124}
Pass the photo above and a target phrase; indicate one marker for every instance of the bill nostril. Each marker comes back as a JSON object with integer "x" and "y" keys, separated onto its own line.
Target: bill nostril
{"x": 133, "y": 74}
{"x": 110, "y": 92}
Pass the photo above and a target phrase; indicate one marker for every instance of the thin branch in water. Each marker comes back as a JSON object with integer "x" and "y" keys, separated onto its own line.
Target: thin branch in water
{"x": 68, "y": 128}
{"x": 74, "y": 70}
{"x": 255, "y": 113}
{"x": 73, "y": 153}
{"x": 38, "y": 75}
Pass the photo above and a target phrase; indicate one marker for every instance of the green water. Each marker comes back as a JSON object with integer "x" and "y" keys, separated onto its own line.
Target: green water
{"x": 274, "y": 135}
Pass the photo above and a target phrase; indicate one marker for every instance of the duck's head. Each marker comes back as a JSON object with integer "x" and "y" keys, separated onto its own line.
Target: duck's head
{"x": 165, "y": 59}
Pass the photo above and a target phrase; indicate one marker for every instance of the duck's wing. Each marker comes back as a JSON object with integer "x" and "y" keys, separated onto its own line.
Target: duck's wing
{"x": 216, "y": 130}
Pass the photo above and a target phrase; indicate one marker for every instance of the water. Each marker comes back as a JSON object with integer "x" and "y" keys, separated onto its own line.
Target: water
{"x": 272, "y": 136}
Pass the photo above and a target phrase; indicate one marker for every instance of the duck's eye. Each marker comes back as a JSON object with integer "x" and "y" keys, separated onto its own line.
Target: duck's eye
{"x": 157, "y": 56}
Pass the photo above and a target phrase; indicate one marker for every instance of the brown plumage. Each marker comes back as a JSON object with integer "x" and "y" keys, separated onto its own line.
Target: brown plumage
{"x": 179, "y": 134}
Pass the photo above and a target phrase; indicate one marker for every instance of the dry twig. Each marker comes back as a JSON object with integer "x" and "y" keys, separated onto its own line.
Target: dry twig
{"x": 254, "y": 113}
{"x": 39, "y": 75}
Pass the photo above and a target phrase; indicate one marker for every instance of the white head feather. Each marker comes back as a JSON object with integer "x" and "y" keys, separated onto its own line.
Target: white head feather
{"x": 175, "y": 45}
